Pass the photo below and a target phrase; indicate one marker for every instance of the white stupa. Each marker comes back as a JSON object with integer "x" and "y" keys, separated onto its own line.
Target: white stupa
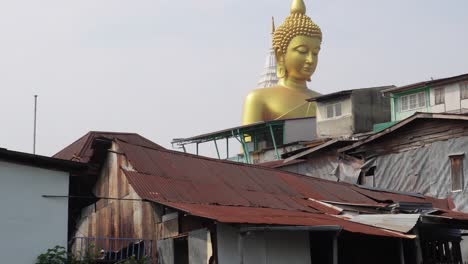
{"x": 269, "y": 77}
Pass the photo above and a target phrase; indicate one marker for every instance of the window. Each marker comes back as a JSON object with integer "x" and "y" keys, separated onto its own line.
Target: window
{"x": 329, "y": 111}
{"x": 333, "y": 110}
{"x": 337, "y": 109}
{"x": 456, "y": 162}
{"x": 439, "y": 94}
{"x": 413, "y": 101}
{"x": 464, "y": 90}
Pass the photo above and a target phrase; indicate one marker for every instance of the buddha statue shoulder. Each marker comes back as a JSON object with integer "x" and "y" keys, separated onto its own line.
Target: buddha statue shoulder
{"x": 296, "y": 44}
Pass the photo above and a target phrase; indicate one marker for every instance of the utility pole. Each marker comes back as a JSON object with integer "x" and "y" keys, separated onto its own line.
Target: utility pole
{"x": 35, "y": 124}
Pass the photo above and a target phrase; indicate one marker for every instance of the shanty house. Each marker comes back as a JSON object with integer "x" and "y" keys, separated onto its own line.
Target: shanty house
{"x": 425, "y": 153}
{"x": 32, "y": 218}
{"x": 141, "y": 199}
{"x": 345, "y": 113}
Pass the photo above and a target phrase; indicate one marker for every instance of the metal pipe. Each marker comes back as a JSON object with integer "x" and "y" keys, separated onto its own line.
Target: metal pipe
{"x": 35, "y": 124}
{"x": 333, "y": 228}
{"x": 217, "y": 150}
{"x": 91, "y": 197}
{"x": 227, "y": 148}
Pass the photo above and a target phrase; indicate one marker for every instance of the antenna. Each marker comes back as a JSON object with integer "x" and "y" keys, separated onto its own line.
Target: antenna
{"x": 35, "y": 123}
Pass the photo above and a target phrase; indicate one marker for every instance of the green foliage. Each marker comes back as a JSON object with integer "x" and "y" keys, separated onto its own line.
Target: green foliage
{"x": 58, "y": 255}
{"x": 133, "y": 260}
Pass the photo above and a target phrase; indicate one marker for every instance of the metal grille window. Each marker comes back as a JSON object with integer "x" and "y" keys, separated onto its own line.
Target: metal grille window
{"x": 439, "y": 94}
{"x": 456, "y": 162}
{"x": 464, "y": 90}
{"x": 412, "y": 101}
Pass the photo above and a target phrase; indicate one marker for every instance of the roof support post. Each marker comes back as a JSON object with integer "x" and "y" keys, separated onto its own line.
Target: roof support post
{"x": 185, "y": 150}
{"x": 197, "y": 149}
{"x": 241, "y": 247}
{"x": 217, "y": 150}
{"x": 244, "y": 145}
{"x": 417, "y": 241}
{"x": 402, "y": 251}
{"x": 227, "y": 148}
{"x": 274, "y": 141}
{"x": 335, "y": 248}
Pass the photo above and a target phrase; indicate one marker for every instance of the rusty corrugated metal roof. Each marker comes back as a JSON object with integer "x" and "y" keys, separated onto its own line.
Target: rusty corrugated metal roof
{"x": 81, "y": 150}
{"x": 240, "y": 193}
{"x": 250, "y": 215}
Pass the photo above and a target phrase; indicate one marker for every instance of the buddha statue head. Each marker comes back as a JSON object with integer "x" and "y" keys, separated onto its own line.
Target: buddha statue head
{"x": 296, "y": 43}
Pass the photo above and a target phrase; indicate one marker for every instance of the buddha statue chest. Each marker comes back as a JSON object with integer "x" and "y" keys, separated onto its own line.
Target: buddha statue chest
{"x": 297, "y": 44}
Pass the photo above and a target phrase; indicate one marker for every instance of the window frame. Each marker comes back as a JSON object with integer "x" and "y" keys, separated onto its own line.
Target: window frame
{"x": 442, "y": 95}
{"x": 456, "y": 164}
{"x": 333, "y": 108}
{"x": 417, "y": 102}
{"x": 463, "y": 86}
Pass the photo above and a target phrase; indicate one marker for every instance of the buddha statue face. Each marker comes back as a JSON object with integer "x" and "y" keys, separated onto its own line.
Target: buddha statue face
{"x": 300, "y": 60}
{"x": 297, "y": 44}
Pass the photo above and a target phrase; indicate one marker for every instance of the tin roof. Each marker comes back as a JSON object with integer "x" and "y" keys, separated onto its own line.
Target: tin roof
{"x": 82, "y": 149}
{"x": 436, "y": 82}
{"x": 232, "y": 192}
{"x": 40, "y": 161}
{"x": 241, "y": 193}
{"x": 416, "y": 116}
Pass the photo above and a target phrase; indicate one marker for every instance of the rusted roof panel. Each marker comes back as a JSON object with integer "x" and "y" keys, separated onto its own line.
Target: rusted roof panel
{"x": 238, "y": 193}
{"x": 81, "y": 150}
{"x": 249, "y": 215}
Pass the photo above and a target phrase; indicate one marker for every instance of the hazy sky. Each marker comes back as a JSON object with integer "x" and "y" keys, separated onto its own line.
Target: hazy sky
{"x": 167, "y": 68}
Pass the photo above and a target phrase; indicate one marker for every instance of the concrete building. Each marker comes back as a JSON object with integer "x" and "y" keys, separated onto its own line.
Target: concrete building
{"x": 31, "y": 220}
{"x": 447, "y": 95}
{"x": 345, "y": 113}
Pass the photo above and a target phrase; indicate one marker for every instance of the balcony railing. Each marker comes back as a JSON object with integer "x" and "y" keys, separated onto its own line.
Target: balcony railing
{"x": 111, "y": 250}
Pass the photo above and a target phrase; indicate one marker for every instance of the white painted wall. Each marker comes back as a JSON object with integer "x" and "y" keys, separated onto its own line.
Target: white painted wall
{"x": 278, "y": 247}
{"x": 337, "y": 126}
{"x": 452, "y": 99}
{"x": 29, "y": 223}
{"x": 200, "y": 248}
{"x": 346, "y": 108}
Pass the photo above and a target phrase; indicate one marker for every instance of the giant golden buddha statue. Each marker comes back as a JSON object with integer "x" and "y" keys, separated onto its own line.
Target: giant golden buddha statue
{"x": 297, "y": 44}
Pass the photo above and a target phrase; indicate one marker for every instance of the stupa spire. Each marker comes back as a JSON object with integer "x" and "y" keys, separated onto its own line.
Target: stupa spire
{"x": 269, "y": 77}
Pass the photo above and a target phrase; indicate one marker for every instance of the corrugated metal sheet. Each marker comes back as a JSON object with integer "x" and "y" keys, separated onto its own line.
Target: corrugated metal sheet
{"x": 239, "y": 193}
{"x": 396, "y": 222}
{"x": 249, "y": 215}
{"x": 81, "y": 150}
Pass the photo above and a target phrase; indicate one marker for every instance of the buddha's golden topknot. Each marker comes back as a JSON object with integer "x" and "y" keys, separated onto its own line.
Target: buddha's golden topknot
{"x": 296, "y": 24}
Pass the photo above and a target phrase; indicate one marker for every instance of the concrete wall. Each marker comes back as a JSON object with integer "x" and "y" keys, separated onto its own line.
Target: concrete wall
{"x": 369, "y": 108}
{"x": 29, "y": 223}
{"x": 336, "y": 126}
{"x": 299, "y": 130}
{"x": 279, "y": 247}
{"x": 453, "y": 102}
